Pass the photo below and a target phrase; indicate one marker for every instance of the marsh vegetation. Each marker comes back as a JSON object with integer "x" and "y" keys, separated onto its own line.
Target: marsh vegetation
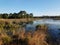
{"x": 23, "y": 30}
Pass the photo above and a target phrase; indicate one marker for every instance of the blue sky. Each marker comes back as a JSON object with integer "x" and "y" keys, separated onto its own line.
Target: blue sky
{"x": 37, "y": 7}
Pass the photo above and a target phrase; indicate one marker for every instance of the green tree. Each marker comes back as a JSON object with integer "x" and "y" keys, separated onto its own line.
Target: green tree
{"x": 14, "y": 15}
{"x": 21, "y": 14}
{"x": 0, "y": 15}
{"x": 31, "y": 15}
{"x": 5, "y": 15}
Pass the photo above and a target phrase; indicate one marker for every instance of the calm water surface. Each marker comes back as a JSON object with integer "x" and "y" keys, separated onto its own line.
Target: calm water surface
{"x": 53, "y": 26}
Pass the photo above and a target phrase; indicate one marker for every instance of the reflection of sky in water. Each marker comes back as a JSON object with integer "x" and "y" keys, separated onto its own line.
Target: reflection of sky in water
{"x": 30, "y": 27}
{"x": 53, "y": 26}
{"x": 54, "y": 30}
{"x": 48, "y": 21}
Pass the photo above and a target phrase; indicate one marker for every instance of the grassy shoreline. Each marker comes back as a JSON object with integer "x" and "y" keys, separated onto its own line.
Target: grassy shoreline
{"x": 12, "y": 32}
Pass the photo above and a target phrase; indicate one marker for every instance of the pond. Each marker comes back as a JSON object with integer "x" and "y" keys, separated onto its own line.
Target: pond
{"x": 53, "y": 26}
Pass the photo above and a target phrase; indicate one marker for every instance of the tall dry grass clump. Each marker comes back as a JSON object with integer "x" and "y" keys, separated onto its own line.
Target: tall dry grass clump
{"x": 36, "y": 38}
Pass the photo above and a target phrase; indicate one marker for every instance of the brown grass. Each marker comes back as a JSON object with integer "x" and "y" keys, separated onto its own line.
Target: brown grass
{"x": 37, "y": 38}
{"x": 24, "y": 38}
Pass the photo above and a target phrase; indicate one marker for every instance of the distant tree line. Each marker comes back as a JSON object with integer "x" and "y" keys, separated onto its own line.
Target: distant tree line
{"x": 21, "y": 14}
